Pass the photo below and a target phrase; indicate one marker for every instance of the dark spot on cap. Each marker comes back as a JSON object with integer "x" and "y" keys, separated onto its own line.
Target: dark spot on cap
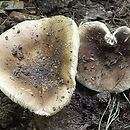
{"x": 16, "y": 72}
{"x": 54, "y": 109}
{"x": 68, "y": 81}
{"x": 61, "y": 81}
{"x": 63, "y": 97}
{"x": 17, "y": 52}
{"x": 6, "y": 37}
{"x": 18, "y": 31}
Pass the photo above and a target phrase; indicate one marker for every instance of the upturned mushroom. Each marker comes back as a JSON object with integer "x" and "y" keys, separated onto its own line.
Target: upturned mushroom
{"x": 104, "y": 58}
{"x": 38, "y": 63}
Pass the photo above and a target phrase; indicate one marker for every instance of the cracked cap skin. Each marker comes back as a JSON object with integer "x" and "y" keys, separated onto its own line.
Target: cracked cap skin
{"x": 39, "y": 63}
{"x": 104, "y": 62}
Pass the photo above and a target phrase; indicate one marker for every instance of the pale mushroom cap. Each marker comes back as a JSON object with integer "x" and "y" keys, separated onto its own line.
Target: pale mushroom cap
{"x": 102, "y": 66}
{"x": 39, "y": 63}
{"x": 98, "y": 29}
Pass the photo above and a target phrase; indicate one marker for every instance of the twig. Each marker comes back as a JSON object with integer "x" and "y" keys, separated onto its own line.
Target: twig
{"x": 126, "y": 97}
{"x": 99, "y": 126}
{"x": 114, "y": 116}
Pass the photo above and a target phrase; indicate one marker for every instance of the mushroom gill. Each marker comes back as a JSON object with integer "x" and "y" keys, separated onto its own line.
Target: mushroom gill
{"x": 104, "y": 58}
{"x": 38, "y": 63}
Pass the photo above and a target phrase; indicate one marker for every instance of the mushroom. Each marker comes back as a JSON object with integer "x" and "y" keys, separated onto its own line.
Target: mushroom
{"x": 39, "y": 63}
{"x": 104, "y": 58}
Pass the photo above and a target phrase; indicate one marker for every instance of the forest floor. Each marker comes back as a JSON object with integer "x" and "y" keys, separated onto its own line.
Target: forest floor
{"x": 86, "y": 107}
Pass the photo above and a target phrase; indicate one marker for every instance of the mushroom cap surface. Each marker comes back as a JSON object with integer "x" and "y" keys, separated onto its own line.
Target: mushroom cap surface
{"x": 38, "y": 63}
{"x": 104, "y": 58}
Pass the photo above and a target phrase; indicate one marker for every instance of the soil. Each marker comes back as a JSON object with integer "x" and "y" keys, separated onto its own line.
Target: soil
{"x": 86, "y": 107}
